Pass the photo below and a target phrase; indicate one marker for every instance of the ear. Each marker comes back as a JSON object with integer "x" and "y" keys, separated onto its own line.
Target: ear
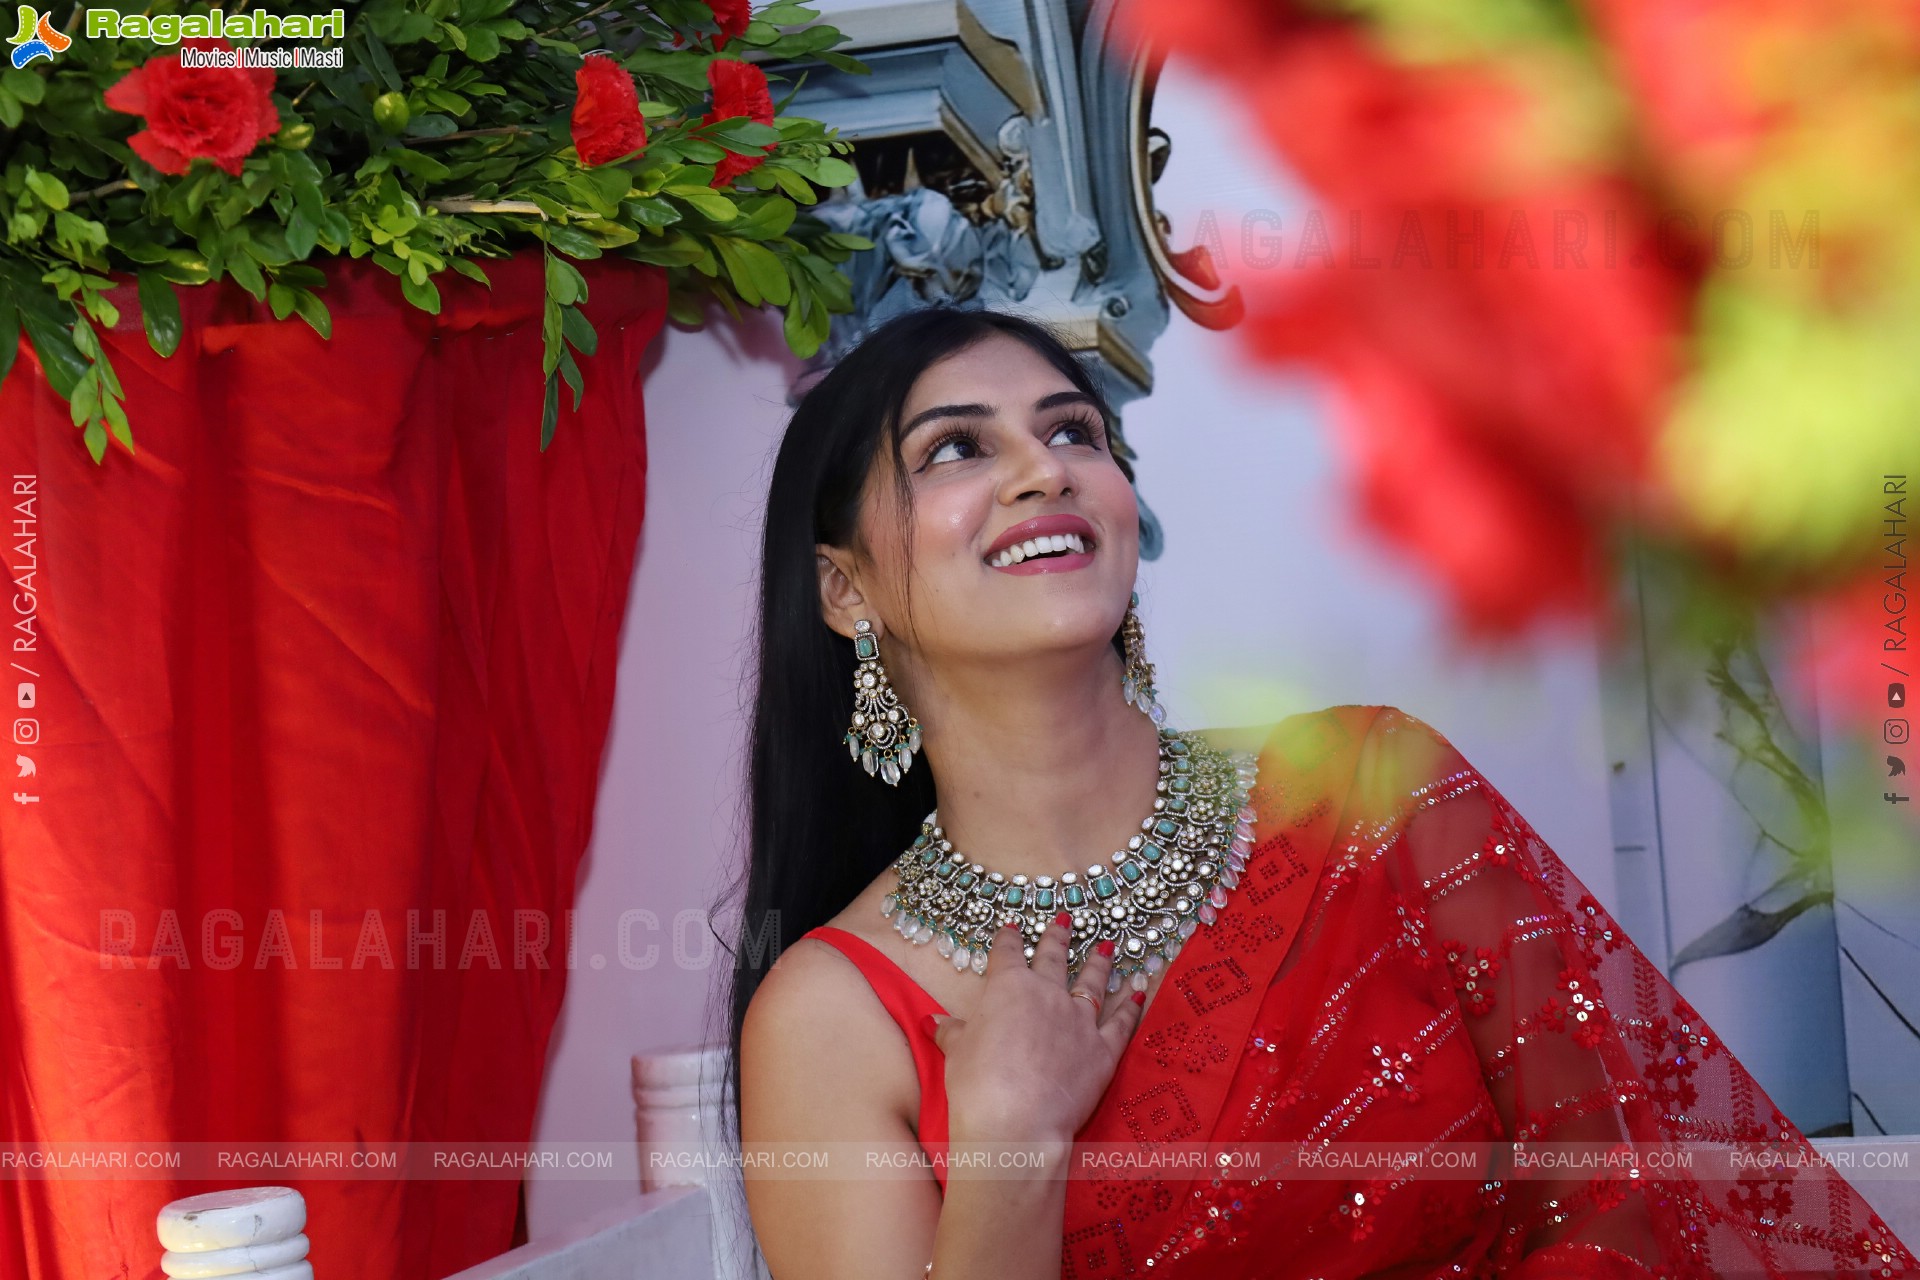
{"x": 841, "y": 601}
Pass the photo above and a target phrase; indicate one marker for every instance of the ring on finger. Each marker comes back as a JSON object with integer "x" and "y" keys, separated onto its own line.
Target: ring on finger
{"x": 1081, "y": 993}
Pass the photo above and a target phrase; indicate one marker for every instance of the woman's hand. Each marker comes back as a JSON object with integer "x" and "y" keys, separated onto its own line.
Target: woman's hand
{"x": 1033, "y": 1061}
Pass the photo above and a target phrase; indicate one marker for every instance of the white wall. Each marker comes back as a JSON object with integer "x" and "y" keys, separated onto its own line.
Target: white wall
{"x": 1228, "y": 460}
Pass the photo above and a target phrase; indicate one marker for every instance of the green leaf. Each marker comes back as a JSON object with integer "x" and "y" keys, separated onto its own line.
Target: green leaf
{"x": 794, "y": 326}
{"x": 682, "y": 309}
{"x": 314, "y": 312}
{"x": 431, "y": 126}
{"x": 790, "y": 182}
{"x": 787, "y": 15}
{"x": 853, "y": 67}
{"x": 738, "y": 270}
{"x": 144, "y": 252}
{"x": 280, "y": 298}
{"x": 159, "y": 313}
{"x": 422, "y": 294}
{"x": 765, "y": 218}
{"x": 117, "y": 421}
{"x": 740, "y": 134}
{"x": 710, "y": 204}
{"x": 382, "y": 62}
{"x": 27, "y": 86}
{"x": 769, "y": 275}
{"x": 482, "y": 44}
{"x": 85, "y": 340}
{"x": 85, "y": 404}
{"x": 571, "y": 241}
{"x": 705, "y": 152}
{"x": 846, "y": 240}
{"x": 578, "y": 331}
{"x": 550, "y": 328}
{"x": 246, "y": 273}
{"x": 651, "y": 211}
{"x": 471, "y": 270}
{"x": 52, "y": 191}
{"x": 398, "y": 26}
{"x": 9, "y": 336}
{"x": 571, "y": 372}
{"x": 564, "y": 282}
{"x": 53, "y": 345}
{"x": 832, "y": 171}
{"x": 612, "y": 183}
{"x": 302, "y": 234}
{"x": 96, "y": 438}
{"x": 419, "y": 164}
{"x": 549, "y": 411}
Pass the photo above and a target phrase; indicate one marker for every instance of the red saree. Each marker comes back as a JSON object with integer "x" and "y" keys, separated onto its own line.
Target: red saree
{"x": 1405, "y": 962}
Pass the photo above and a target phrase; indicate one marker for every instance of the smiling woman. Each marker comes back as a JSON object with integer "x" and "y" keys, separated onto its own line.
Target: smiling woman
{"x": 1374, "y": 961}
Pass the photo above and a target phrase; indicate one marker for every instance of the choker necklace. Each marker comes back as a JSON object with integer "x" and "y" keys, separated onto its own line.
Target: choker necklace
{"x": 1169, "y": 880}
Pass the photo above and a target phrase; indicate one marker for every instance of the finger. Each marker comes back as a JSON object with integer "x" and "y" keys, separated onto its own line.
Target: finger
{"x": 1009, "y": 950}
{"x": 1050, "y": 953}
{"x": 1097, "y": 970}
{"x": 1119, "y": 1028}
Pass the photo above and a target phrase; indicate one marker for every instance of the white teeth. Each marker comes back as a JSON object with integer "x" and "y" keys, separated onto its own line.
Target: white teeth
{"x": 1052, "y": 544}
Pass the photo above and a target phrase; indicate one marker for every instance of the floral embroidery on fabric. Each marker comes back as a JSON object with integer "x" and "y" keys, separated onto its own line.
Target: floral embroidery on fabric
{"x": 1589, "y": 1018}
{"x": 1473, "y": 974}
{"x": 1596, "y": 930}
{"x": 1416, "y": 931}
{"x": 1398, "y": 1069}
{"x": 1768, "y": 1200}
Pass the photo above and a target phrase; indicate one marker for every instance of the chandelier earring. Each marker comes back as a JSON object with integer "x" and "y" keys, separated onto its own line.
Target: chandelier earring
{"x": 884, "y": 736}
{"x": 1137, "y": 682}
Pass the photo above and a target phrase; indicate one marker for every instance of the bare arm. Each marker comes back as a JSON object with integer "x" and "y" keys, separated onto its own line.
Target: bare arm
{"x": 808, "y": 1074}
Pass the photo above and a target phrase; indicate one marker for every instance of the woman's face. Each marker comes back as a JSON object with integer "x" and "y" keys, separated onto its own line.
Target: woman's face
{"x": 994, "y": 438}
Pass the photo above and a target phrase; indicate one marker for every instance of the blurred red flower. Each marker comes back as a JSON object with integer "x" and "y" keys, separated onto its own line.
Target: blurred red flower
{"x": 192, "y": 113}
{"x": 1505, "y": 332}
{"x": 607, "y": 123}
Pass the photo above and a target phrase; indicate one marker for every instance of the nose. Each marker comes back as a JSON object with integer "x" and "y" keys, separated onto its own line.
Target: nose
{"x": 1034, "y": 469}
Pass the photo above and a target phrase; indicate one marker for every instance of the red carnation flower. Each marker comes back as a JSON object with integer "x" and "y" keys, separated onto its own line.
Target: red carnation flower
{"x": 607, "y": 124}
{"x": 733, "y": 16}
{"x": 739, "y": 89}
{"x": 196, "y": 113}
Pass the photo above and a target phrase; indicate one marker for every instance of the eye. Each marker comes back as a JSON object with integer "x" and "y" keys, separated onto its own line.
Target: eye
{"x": 953, "y": 440}
{"x": 1085, "y": 425}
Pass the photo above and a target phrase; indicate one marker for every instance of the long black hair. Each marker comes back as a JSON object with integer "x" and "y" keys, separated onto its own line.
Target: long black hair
{"x": 819, "y": 828}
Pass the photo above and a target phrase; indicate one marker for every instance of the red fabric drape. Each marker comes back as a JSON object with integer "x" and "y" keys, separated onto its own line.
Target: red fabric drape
{"x": 336, "y": 644}
{"x": 1406, "y": 966}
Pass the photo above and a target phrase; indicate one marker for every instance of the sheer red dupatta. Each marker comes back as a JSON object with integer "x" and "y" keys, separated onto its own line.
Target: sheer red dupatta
{"x": 1406, "y": 962}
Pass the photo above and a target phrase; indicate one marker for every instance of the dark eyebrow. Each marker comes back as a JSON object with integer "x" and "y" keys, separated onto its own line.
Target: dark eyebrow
{"x": 987, "y": 411}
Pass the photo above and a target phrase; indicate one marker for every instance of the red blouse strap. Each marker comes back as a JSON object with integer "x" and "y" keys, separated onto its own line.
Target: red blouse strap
{"x": 908, "y": 1002}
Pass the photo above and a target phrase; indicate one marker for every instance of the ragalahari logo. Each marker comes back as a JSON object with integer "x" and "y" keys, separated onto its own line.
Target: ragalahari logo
{"x": 36, "y": 38}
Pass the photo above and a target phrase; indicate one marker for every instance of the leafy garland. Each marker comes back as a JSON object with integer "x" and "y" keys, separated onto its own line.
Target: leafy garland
{"x": 452, "y": 133}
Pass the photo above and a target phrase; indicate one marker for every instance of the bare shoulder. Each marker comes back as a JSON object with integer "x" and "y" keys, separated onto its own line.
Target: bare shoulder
{"x": 817, "y": 1049}
{"x": 822, "y": 1062}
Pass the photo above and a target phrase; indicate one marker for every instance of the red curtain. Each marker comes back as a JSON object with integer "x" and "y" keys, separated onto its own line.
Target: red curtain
{"x": 337, "y": 643}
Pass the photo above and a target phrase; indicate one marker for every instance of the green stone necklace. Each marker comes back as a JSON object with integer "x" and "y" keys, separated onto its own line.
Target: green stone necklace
{"x": 1170, "y": 879}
